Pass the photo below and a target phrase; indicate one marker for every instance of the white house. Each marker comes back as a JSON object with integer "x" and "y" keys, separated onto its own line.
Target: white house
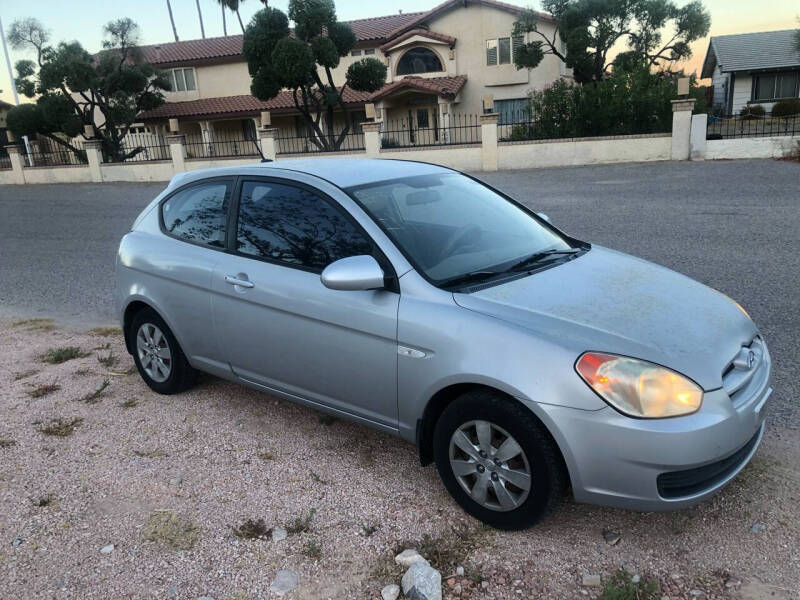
{"x": 753, "y": 68}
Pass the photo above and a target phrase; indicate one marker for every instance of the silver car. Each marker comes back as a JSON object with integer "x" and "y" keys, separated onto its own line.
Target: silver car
{"x": 417, "y": 300}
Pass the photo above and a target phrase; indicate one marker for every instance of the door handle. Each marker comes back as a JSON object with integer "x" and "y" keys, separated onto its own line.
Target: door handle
{"x": 240, "y": 282}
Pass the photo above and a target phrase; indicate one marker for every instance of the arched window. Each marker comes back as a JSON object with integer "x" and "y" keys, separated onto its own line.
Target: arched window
{"x": 419, "y": 60}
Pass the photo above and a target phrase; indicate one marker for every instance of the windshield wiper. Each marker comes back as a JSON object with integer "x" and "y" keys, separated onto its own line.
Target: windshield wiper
{"x": 472, "y": 277}
{"x": 537, "y": 257}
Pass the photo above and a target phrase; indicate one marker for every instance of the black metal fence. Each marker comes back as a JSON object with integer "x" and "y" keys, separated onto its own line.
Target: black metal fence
{"x": 303, "y": 144}
{"x": 452, "y": 130}
{"x": 220, "y": 147}
{"x": 5, "y": 162}
{"x": 739, "y": 126}
{"x": 144, "y": 146}
{"x": 51, "y": 156}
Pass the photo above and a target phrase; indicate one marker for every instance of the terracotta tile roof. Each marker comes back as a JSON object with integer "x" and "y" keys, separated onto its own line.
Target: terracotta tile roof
{"x": 446, "y": 87}
{"x": 221, "y": 48}
{"x": 448, "y": 4}
{"x": 232, "y": 106}
{"x": 448, "y": 39}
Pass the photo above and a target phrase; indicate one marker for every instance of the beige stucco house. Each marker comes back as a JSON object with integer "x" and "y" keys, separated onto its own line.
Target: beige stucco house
{"x": 445, "y": 65}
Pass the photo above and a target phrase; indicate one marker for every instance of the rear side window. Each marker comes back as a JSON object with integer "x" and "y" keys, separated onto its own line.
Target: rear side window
{"x": 198, "y": 214}
{"x": 295, "y": 226}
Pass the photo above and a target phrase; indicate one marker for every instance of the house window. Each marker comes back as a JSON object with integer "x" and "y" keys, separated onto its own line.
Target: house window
{"x": 183, "y": 80}
{"x": 419, "y": 60}
{"x": 355, "y": 53}
{"x": 774, "y": 86}
{"x": 501, "y": 50}
{"x": 516, "y": 110}
{"x": 369, "y": 51}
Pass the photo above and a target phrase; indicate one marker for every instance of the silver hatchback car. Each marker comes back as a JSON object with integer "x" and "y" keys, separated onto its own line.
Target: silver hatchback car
{"x": 417, "y": 300}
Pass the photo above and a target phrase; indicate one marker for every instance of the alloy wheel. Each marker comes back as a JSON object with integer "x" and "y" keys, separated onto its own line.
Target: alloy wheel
{"x": 154, "y": 353}
{"x": 490, "y": 465}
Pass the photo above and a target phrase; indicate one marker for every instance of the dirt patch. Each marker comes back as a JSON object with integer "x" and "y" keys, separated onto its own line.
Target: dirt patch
{"x": 167, "y": 480}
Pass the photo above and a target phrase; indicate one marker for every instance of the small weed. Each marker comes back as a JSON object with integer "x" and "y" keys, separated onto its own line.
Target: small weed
{"x": 106, "y": 331}
{"x": 56, "y": 356}
{"x": 301, "y": 524}
{"x": 44, "y": 390}
{"x": 620, "y": 586}
{"x": 7, "y": 443}
{"x": 252, "y": 530}
{"x": 35, "y": 325}
{"x": 129, "y": 403}
{"x": 312, "y": 550}
{"x": 61, "y": 427}
{"x": 107, "y": 361}
{"x": 169, "y": 531}
{"x": 43, "y": 501}
{"x": 450, "y": 548}
{"x": 368, "y": 530}
{"x": 266, "y": 455}
{"x": 149, "y": 453}
{"x": 317, "y": 478}
{"x": 94, "y": 397}
{"x": 25, "y": 374}
{"x": 327, "y": 420}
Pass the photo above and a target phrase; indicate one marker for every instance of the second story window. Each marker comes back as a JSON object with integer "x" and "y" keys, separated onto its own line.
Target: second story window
{"x": 500, "y": 51}
{"x": 419, "y": 60}
{"x": 355, "y": 53}
{"x": 183, "y": 80}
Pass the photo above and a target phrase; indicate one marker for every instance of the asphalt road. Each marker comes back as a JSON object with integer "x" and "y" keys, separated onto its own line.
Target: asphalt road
{"x": 733, "y": 225}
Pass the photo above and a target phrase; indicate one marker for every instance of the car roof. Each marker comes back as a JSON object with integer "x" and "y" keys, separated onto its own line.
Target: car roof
{"x": 342, "y": 172}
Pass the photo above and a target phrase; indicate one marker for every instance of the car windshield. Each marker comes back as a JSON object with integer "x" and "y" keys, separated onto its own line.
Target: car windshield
{"x": 451, "y": 226}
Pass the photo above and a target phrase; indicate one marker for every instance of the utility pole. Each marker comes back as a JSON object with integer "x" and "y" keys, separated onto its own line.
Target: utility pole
{"x": 8, "y": 63}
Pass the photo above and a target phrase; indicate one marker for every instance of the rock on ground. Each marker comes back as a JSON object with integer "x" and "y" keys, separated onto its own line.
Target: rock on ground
{"x": 409, "y": 557}
{"x": 279, "y": 534}
{"x": 285, "y": 581}
{"x": 422, "y": 582}
{"x": 390, "y": 592}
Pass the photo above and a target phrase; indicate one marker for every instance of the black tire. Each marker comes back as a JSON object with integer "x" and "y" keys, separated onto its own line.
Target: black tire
{"x": 181, "y": 376}
{"x": 547, "y": 474}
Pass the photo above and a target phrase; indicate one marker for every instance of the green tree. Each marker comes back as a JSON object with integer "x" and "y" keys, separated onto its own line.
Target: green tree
{"x": 75, "y": 88}
{"x": 303, "y": 63}
{"x": 656, "y": 31}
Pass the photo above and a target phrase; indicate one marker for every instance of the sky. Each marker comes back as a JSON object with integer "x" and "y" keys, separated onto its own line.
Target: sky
{"x": 83, "y": 20}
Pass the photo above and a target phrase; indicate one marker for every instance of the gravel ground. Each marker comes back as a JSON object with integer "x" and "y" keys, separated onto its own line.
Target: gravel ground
{"x": 166, "y": 479}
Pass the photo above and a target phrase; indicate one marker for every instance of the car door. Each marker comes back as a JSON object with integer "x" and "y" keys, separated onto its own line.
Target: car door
{"x": 280, "y": 327}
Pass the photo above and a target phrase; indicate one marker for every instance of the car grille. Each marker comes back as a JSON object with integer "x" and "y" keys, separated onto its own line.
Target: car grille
{"x": 678, "y": 484}
{"x": 741, "y": 383}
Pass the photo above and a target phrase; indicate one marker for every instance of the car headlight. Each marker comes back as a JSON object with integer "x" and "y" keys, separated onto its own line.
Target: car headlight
{"x": 639, "y": 388}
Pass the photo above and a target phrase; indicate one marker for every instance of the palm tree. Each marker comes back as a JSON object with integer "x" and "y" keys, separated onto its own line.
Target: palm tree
{"x": 200, "y": 15}
{"x": 172, "y": 20}
{"x": 232, "y": 5}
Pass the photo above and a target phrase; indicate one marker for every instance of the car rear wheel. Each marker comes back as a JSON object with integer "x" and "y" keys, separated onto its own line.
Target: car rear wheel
{"x": 158, "y": 356}
{"x": 497, "y": 460}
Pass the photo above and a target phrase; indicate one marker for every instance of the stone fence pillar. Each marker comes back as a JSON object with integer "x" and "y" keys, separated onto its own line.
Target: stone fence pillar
{"x": 372, "y": 138}
{"x": 177, "y": 149}
{"x": 17, "y": 174}
{"x": 94, "y": 157}
{"x": 267, "y": 140}
{"x": 681, "y": 128}
{"x": 489, "y": 142}
{"x": 697, "y": 140}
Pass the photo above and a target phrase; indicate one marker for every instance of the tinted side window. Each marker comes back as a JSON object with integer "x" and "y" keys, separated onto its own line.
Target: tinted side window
{"x": 295, "y": 226}
{"x": 198, "y": 214}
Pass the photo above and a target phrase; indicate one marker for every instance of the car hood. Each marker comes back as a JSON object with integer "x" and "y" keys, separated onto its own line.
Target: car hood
{"x": 612, "y": 302}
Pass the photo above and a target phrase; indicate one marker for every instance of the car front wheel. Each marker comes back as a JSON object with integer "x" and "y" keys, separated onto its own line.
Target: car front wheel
{"x": 158, "y": 356}
{"x": 497, "y": 460}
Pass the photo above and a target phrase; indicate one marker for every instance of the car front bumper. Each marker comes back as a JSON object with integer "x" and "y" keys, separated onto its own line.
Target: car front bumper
{"x": 660, "y": 464}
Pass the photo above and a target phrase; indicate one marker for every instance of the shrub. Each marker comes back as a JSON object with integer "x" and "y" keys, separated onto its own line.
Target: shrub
{"x": 786, "y": 108}
{"x": 752, "y": 111}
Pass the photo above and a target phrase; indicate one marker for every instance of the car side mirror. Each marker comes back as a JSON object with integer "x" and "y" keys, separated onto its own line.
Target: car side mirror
{"x": 543, "y": 217}
{"x": 353, "y": 273}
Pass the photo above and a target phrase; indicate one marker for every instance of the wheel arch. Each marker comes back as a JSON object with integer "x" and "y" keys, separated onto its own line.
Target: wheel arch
{"x": 450, "y": 393}
{"x": 134, "y": 307}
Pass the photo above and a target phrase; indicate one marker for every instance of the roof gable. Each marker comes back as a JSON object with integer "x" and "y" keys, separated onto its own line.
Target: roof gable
{"x": 766, "y": 50}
